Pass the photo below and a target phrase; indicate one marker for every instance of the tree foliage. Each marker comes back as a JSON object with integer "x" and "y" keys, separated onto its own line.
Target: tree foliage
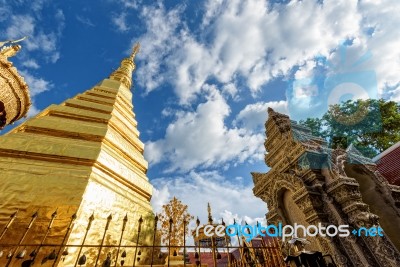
{"x": 371, "y": 125}
{"x": 178, "y": 212}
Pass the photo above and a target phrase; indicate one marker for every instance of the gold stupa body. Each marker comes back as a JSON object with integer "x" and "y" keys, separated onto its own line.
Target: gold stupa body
{"x": 14, "y": 92}
{"x": 83, "y": 156}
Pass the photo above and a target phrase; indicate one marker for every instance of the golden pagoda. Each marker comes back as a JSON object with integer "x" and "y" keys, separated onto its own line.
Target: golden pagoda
{"x": 14, "y": 92}
{"x": 81, "y": 157}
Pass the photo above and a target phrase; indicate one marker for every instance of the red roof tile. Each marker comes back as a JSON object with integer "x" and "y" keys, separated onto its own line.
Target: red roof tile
{"x": 388, "y": 164}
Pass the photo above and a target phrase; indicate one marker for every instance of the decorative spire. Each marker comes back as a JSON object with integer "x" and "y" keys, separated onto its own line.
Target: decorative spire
{"x": 209, "y": 213}
{"x": 124, "y": 71}
{"x": 135, "y": 50}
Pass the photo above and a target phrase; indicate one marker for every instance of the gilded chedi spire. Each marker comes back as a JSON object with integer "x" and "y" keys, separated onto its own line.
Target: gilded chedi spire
{"x": 83, "y": 156}
{"x": 124, "y": 71}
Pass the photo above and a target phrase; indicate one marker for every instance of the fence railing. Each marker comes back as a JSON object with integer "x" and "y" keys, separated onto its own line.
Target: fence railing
{"x": 38, "y": 251}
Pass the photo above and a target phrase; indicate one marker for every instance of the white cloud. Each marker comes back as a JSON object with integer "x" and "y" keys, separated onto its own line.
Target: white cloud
{"x": 248, "y": 39}
{"x": 5, "y": 12}
{"x": 25, "y": 25}
{"x": 161, "y": 195}
{"x": 60, "y": 18}
{"x": 134, "y": 4}
{"x": 54, "y": 57}
{"x": 395, "y": 95}
{"x": 384, "y": 43}
{"x": 365, "y": 66}
{"x": 192, "y": 69}
{"x": 212, "y": 8}
{"x": 31, "y": 63}
{"x": 33, "y": 111}
{"x": 85, "y": 21}
{"x": 37, "y": 5}
{"x": 200, "y": 138}
{"x": 253, "y": 116}
{"x": 59, "y": 15}
{"x": 228, "y": 199}
{"x": 36, "y": 85}
{"x": 231, "y": 90}
{"x": 157, "y": 44}
{"x": 374, "y": 49}
{"x": 120, "y": 22}
{"x": 253, "y": 42}
{"x": 306, "y": 70}
{"x": 38, "y": 40}
{"x": 46, "y": 42}
{"x": 20, "y": 26}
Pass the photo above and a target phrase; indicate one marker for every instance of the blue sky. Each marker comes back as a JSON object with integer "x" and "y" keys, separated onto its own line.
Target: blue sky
{"x": 206, "y": 73}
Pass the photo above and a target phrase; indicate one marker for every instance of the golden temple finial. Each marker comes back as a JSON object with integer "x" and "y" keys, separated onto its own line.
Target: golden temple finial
{"x": 12, "y": 41}
{"x": 135, "y": 50}
{"x": 124, "y": 72}
{"x": 13, "y": 48}
{"x": 209, "y": 212}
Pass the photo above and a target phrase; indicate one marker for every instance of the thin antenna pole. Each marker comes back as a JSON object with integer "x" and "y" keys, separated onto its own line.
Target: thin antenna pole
{"x": 169, "y": 239}
{"x": 154, "y": 240}
{"x": 120, "y": 239}
{"x": 198, "y": 224}
{"x": 73, "y": 217}
{"x": 137, "y": 239}
{"x": 12, "y": 218}
{"x": 91, "y": 218}
{"x": 184, "y": 243}
{"x": 53, "y": 217}
{"x": 227, "y": 244}
{"x": 109, "y": 218}
{"x": 34, "y": 216}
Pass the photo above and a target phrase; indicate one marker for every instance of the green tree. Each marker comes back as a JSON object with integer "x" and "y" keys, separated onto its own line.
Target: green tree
{"x": 315, "y": 124}
{"x": 371, "y": 125}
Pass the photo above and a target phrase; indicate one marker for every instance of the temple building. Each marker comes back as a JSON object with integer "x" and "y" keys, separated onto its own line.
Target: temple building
{"x": 311, "y": 184}
{"x": 77, "y": 165}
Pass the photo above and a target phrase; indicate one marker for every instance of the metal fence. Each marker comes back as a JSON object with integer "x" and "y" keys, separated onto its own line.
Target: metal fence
{"x": 213, "y": 252}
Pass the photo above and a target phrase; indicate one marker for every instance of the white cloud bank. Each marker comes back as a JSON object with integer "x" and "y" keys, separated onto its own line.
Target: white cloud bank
{"x": 20, "y": 25}
{"x": 252, "y": 39}
{"x": 229, "y": 199}
{"x": 36, "y": 85}
{"x": 201, "y": 139}
{"x": 120, "y": 22}
{"x": 254, "y": 116}
{"x": 255, "y": 41}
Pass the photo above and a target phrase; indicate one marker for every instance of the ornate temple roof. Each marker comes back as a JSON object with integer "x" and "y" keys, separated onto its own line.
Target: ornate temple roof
{"x": 290, "y": 144}
{"x": 389, "y": 165}
{"x": 14, "y": 97}
{"x": 303, "y": 135}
